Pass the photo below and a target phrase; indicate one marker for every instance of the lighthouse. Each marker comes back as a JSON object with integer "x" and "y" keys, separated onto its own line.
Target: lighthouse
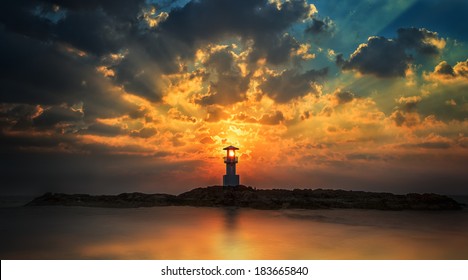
{"x": 230, "y": 179}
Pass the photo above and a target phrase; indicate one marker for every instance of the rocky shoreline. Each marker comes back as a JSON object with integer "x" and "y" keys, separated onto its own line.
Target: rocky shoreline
{"x": 242, "y": 196}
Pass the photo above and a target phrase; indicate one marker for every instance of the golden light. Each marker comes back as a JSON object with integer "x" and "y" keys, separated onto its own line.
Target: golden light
{"x": 231, "y": 153}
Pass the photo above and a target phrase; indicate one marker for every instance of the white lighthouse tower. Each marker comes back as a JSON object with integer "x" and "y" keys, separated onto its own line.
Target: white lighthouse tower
{"x": 230, "y": 179}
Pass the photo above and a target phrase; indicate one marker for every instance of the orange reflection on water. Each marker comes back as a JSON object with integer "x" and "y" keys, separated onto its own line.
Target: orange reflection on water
{"x": 212, "y": 235}
{"x": 227, "y": 233}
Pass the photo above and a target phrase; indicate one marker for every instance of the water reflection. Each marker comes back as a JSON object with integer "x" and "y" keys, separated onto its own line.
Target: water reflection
{"x": 231, "y": 215}
{"x": 230, "y": 233}
{"x": 233, "y": 244}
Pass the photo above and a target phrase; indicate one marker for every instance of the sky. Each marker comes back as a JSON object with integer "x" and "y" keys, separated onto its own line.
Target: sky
{"x": 111, "y": 96}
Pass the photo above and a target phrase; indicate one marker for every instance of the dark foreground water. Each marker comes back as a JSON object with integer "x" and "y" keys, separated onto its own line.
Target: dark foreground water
{"x": 56, "y": 232}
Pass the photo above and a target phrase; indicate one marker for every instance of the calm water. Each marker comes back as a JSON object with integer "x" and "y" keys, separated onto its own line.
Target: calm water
{"x": 57, "y": 232}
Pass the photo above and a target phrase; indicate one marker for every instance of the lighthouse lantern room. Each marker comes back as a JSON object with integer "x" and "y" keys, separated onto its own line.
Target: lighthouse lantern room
{"x": 230, "y": 179}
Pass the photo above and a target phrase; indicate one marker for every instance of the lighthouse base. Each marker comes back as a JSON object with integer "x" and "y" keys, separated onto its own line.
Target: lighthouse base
{"x": 230, "y": 180}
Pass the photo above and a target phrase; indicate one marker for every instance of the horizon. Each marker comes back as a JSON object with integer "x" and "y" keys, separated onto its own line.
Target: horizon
{"x": 142, "y": 96}
{"x": 288, "y": 188}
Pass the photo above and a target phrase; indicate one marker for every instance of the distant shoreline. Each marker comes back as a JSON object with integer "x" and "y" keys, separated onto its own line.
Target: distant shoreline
{"x": 248, "y": 197}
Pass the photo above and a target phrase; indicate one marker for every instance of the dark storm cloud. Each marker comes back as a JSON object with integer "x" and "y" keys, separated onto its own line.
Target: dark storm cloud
{"x": 276, "y": 49}
{"x": 35, "y": 72}
{"x": 137, "y": 77}
{"x": 342, "y": 97}
{"x": 230, "y": 86}
{"x": 107, "y": 27}
{"x": 420, "y": 39}
{"x": 379, "y": 56}
{"x": 56, "y": 114}
{"x": 402, "y": 118}
{"x": 102, "y": 130}
{"x": 18, "y": 17}
{"x": 43, "y": 60}
{"x": 222, "y": 61}
{"x": 320, "y": 26}
{"x": 258, "y": 20}
{"x": 385, "y": 57}
{"x": 228, "y": 89}
{"x": 93, "y": 31}
{"x": 290, "y": 84}
{"x": 21, "y": 142}
{"x": 123, "y": 9}
{"x": 251, "y": 19}
{"x": 17, "y": 116}
{"x": 82, "y": 22}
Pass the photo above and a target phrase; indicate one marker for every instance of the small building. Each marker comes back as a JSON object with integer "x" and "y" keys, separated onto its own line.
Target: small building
{"x": 230, "y": 179}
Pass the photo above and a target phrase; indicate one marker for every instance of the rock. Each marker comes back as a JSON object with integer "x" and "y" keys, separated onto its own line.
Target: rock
{"x": 124, "y": 200}
{"x": 242, "y": 196}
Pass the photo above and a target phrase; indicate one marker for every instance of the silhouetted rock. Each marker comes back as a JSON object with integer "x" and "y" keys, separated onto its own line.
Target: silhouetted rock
{"x": 123, "y": 200}
{"x": 242, "y": 196}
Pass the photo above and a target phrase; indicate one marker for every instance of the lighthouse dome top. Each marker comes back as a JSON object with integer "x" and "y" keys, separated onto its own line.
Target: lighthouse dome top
{"x": 231, "y": 148}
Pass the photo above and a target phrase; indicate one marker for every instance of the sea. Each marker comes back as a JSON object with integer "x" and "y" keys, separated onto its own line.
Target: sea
{"x": 202, "y": 233}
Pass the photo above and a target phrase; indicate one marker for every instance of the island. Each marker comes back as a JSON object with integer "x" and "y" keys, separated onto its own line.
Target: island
{"x": 268, "y": 199}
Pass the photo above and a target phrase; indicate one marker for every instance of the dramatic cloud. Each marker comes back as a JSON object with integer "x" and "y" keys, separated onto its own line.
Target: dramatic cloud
{"x": 342, "y": 97}
{"x": 51, "y": 117}
{"x": 379, "y": 56}
{"x": 444, "y": 72}
{"x": 103, "y": 130}
{"x": 230, "y": 86}
{"x": 385, "y": 58}
{"x": 262, "y": 21}
{"x": 404, "y": 118}
{"x": 320, "y": 26}
{"x": 409, "y": 103}
{"x": 423, "y": 41}
{"x": 290, "y": 84}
